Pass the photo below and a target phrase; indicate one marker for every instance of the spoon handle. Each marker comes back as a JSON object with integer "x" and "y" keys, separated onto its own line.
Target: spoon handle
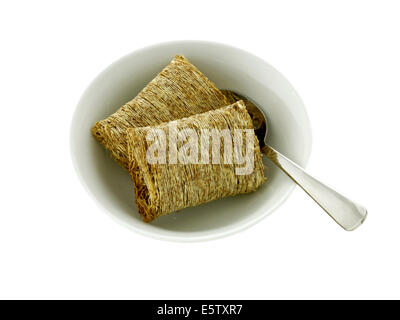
{"x": 345, "y": 212}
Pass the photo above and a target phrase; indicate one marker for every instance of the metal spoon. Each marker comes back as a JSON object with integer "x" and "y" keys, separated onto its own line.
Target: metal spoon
{"x": 345, "y": 212}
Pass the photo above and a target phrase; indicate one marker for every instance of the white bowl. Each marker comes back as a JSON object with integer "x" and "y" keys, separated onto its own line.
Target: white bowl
{"x": 228, "y": 68}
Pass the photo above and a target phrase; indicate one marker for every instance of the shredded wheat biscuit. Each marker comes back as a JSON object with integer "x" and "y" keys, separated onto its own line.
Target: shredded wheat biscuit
{"x": 179, "y": 90}
{"x": 164, "y": 188}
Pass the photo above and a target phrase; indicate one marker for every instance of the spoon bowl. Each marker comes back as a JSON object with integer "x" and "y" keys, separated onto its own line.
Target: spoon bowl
{"x": 346, "y": 213}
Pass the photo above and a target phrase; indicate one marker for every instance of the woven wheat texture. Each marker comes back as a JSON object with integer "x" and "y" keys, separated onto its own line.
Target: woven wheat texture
{"x": 179, "y": 90}
{"x": 164, "y": 188}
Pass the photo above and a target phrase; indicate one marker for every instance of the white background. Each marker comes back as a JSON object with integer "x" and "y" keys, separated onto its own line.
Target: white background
{"x": 343, "y": 59}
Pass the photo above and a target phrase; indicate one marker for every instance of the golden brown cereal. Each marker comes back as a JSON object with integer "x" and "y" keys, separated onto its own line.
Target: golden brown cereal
{"x": 179, "y": 90}
{"x": 163, "y": 188}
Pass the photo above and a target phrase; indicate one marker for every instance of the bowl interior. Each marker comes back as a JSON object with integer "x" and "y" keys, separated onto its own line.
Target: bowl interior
{"x": 228, "y": 68}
